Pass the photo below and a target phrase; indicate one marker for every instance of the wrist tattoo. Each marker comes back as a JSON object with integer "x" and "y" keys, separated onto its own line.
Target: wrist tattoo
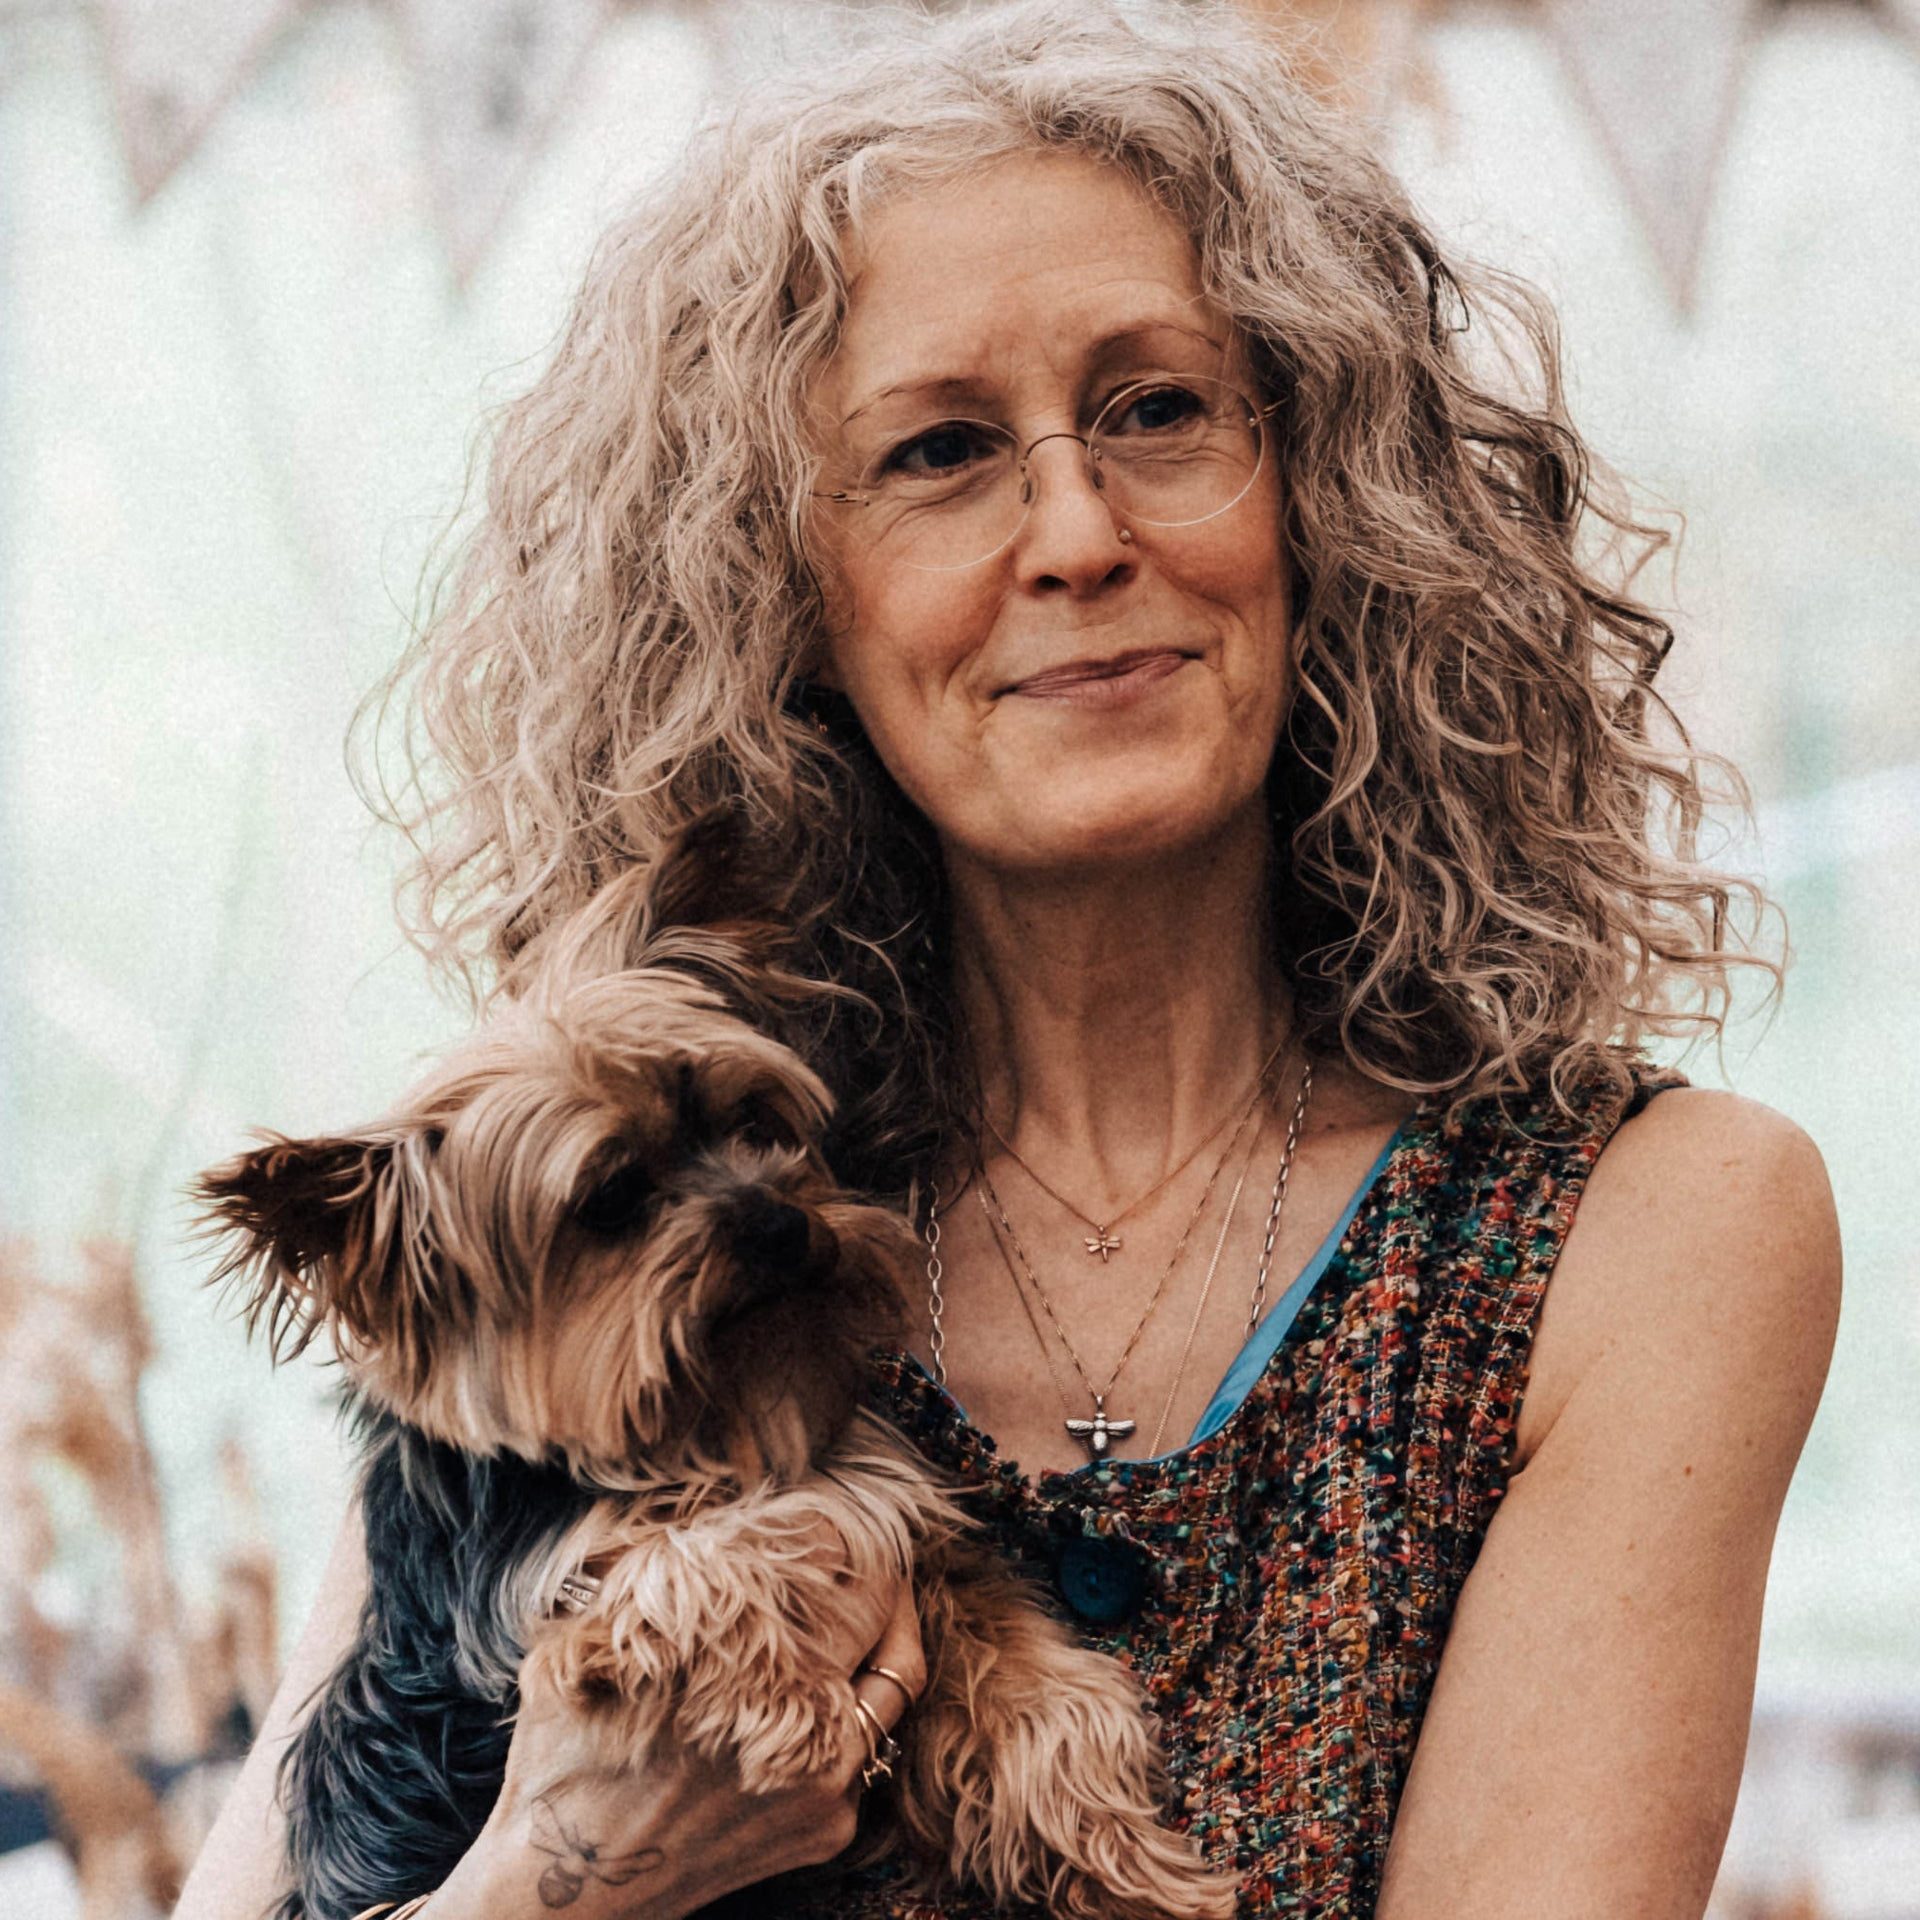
{"x": 577, "y": 1859}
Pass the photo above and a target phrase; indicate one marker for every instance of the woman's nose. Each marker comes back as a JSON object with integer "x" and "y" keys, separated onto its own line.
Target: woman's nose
{"x": 1070, "y": 537}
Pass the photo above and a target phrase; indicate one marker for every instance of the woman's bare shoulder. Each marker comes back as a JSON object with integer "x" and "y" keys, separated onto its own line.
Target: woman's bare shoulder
{"x": 1705, "y": 1245}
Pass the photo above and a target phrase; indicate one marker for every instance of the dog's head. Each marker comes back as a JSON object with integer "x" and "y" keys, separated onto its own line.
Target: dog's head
{"x": 603, "y": 1227}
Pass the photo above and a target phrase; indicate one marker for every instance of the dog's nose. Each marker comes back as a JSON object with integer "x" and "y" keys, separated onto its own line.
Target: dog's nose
{"x": 770, "y": 1235}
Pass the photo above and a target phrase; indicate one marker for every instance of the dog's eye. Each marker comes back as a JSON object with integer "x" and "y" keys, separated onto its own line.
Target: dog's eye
{"x": 761, "y": 1124}
{"x": 618, "y": 1204}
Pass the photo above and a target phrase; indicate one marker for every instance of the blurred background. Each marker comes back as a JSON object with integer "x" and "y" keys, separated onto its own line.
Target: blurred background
{"x": 265, "y": 264}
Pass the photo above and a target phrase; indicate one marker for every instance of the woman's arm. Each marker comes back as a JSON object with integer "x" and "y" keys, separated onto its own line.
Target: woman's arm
{"x": 1583, "y": 1746}
{"x": 241, "y": 1870}
{"x": 649, "y": 1844}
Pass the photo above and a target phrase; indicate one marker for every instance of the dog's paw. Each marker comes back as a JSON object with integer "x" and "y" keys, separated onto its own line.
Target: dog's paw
{"x": 1127, "y": 1867}
{"x": 784, "y": 1734}
{"x": 620, "y": 1679}
{"x": 634, "y": 1687}
{"x": 1034, "y": 1772}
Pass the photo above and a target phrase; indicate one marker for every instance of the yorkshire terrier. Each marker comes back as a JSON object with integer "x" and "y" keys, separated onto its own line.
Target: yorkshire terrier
{"x": 606, "y": 1317}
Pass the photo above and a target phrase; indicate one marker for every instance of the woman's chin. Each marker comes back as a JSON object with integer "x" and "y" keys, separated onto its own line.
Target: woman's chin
{"x": 1082, "y": 829}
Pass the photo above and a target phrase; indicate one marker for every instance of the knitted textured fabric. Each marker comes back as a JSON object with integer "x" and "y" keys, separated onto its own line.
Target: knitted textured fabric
{"x": 1283, "y": 1589}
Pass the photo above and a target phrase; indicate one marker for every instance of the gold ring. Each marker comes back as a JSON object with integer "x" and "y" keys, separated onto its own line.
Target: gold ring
{"x": 887, "y": 1673}
{"x": 882, "y": 1748}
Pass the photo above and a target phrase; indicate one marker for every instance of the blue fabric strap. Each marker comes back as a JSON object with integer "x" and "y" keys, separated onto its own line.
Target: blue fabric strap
{"x": 1264, "y": 1341}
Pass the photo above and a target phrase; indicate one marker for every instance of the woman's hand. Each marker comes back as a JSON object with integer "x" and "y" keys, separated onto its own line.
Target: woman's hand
{"x": 654, "y": 1843}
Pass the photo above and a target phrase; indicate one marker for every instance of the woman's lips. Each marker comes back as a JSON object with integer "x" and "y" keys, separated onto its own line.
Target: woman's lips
{"x": 1103, "y": 683}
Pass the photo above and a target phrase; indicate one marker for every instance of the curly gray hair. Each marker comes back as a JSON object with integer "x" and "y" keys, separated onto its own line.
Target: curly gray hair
{"x": 1485, "y": 815}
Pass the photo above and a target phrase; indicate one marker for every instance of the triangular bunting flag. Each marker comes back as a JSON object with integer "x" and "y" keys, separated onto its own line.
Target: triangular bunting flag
{"x": 1661, "y": 77}
{"x": 1906, "y": 13}
{"x": 174, "y": 64}
{"x": 1361, "y": 57}
{"x": 493, "y": 75}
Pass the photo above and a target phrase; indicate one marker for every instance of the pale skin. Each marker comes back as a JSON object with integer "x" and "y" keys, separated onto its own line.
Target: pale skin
{"x": 1108, "y": 852}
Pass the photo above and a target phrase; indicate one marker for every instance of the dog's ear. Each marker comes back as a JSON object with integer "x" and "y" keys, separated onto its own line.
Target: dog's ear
{"x": 310, "y": 1231}
{"x": 716, "y": 903}
{"x": 715, "y": 875}
{"x": 722, "y": 876}
{"x": 720, "y": 905}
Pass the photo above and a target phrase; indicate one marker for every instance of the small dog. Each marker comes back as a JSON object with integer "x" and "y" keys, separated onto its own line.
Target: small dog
{"x": 606, "y": 1315}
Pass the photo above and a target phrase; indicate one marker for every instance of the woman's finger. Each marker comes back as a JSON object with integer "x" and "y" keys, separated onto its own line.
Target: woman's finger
{"x": 899, "y": 1652}
{"x": 883, "y": 1701}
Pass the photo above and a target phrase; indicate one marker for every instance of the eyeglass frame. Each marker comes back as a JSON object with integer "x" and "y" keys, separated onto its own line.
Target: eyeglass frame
{"x": 1257, "y": 416}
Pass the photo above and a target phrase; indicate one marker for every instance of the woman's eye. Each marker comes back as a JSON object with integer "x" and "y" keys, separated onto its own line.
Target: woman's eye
{"x": 953, "y": 448}
{"x": 618, "y": 1204}
{"x": 1157, "y": 410}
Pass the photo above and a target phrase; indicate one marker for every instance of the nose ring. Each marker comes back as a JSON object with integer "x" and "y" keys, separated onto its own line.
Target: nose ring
{"x": 1126, "y": 537}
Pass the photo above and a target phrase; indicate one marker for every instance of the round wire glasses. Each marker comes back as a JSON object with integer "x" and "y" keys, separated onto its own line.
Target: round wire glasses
{"x": 1165, "y": 452}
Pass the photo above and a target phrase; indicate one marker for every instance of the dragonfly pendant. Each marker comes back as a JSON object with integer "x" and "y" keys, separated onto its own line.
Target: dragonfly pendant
{"x": 1094, "y": 1434}
{"x": 1103, "y": 1243}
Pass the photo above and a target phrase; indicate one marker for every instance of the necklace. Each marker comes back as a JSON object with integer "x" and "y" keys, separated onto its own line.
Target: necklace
{"x": 1259, "y": 1304}
{"x": 1266, "y": 1251}
{"x": 1096, "y": 1434}
{"x": 1206, "y": 1294}
{"x": 1040, "y": 1340}
{"x": 1104, "y": 1241}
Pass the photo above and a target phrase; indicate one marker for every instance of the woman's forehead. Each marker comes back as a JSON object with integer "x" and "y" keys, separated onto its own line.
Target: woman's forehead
{"x": 1031, "y": 258}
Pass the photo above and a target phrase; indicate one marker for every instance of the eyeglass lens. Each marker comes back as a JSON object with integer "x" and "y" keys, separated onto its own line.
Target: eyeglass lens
{"x": 1163, "y": 453}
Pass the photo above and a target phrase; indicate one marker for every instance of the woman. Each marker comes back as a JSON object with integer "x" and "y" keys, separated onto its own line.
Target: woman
{"x": 1043, "y": 473}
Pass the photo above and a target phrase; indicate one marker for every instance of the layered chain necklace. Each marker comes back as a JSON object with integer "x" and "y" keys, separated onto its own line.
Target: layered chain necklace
{"x": 1098, "y": 1433}
{"x": 1104, "y": 1241}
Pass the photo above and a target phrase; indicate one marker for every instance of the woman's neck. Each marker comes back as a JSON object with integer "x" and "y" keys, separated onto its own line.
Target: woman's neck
{"x": 1112, "y": 1016}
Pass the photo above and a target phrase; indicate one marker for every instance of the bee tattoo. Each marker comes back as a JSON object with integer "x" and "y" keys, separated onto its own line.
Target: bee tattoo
{"x": 576, "y": 1859}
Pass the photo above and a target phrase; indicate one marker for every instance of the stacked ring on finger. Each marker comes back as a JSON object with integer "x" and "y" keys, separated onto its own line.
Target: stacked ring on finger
{"x": 887, "y": 1673}
{"x": 882, "y": 1748}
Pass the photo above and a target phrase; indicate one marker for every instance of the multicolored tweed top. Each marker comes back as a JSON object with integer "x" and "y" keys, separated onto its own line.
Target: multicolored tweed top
{"x": 1294, "y": 1575}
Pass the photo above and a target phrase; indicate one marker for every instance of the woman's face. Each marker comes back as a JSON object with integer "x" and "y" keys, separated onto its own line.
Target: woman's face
{"x": 1076, "y": 699}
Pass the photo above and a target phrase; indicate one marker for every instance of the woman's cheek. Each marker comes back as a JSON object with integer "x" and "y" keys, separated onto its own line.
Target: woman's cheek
{"x": 908, "y": 652}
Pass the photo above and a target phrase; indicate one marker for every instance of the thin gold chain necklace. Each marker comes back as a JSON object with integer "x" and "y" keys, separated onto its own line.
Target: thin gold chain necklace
{"x": 1097, "y": 1433}
{"x": 1040, "y": 1340}
{"x": 1104, "y": 1241}
{"x": 1206, "y": 1293}
{"x": 1274, "y": 1211}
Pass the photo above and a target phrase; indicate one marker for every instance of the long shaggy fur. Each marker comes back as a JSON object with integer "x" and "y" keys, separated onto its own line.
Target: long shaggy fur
{"x": 607, "y": 1314}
